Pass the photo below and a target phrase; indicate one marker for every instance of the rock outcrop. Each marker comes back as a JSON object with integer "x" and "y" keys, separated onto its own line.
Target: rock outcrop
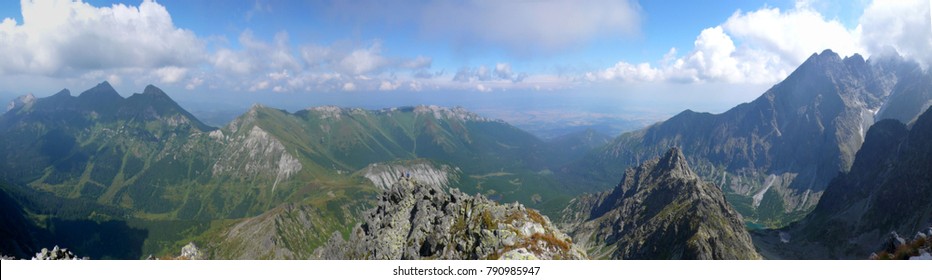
{"x": 56, "y": 254}
{"x": 898, "y": 248}
{"x": 384, "y": 175}
{"x": 660, "y": 210}
{"x": 419, "y": 221}
{"x": 191, "y": 252}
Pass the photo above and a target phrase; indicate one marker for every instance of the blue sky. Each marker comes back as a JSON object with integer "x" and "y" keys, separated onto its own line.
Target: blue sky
{"x": 307, "y": 52}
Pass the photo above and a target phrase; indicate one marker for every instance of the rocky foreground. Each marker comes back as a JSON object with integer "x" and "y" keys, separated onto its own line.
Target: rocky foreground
{"x": 420, "y": 221}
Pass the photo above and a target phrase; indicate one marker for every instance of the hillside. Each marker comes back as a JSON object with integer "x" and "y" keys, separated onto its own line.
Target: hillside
{"x": 660, "y": 210}
{"x": 775, "y": 155}
{"x": 888, "y": 189}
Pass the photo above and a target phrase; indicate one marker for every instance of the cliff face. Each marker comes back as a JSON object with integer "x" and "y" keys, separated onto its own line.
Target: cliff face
{"x": 660, "y": 210}
{"x": 889, "y": 188}
{"x": 385, "y": 174}
{"x": 774, "y": 156}
{"x": 418, "y": 221}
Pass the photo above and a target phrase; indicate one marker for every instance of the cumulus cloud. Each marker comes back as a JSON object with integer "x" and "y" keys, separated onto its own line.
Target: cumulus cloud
{"x": 65, "y": 37}
{"x": 349, "y": 86}
{"x": 171, "y": 74}
{"x": 362, "y": 61}
{"x": 194, "y": 83}
{"x": 500, "y": 72}
{"x": 483, "y": 88}
{"x": 388, "y": 85}
{"x": 764, "y": 45}
{"x": 905, "y": 26}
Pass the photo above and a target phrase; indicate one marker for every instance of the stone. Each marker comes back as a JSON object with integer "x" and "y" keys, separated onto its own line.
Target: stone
{"x": 414, "y": 220}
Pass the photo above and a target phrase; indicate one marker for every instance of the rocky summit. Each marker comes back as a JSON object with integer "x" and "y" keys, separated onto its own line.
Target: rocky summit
{"x": 660, "y": 210}
{"x": 413, "y": 220}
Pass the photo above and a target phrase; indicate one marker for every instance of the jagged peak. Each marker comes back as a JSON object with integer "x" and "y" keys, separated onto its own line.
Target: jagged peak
{"x": 856, "y": 57}
{"x": 826, "y": 56}
{"x": 256, "y": 107}
{"x": 101, "y": 91}
{"x": 27, "y": 97}
{"x": 153, "y": 90}
{"x": 456, "y": 112}
{"x": 673, "y": 161}
{"x": 21, "y": 101}
{"x": 829, "y": 53}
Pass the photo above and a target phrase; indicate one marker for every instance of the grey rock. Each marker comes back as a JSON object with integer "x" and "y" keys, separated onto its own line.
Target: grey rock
{"x": 412, "y": 220}
{"x": 894, "y": 241}
{"x": 191, "y": 252}
{"x": 660, "y": 210}
{"x": 56, "y": 254}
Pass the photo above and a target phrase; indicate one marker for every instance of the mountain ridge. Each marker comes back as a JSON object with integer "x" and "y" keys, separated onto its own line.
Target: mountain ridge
{"x": 774, "y": 155}
{"x": 659, "y": 210}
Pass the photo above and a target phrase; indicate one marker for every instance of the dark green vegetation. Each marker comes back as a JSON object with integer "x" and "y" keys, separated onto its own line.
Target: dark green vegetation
{"x": 889, "y": 188}
{"x": 774, "y": 156}
{"x": 127, "y": 177}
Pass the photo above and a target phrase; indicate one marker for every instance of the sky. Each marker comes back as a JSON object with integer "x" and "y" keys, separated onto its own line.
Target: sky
{"x": 658, "y": 56}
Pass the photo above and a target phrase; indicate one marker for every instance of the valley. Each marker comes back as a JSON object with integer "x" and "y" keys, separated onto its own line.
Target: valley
{"x": 115, "y": 177}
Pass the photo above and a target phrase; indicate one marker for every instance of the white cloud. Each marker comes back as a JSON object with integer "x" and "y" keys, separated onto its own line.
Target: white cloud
{"x": 388, "y": 86}
{"x": 63, "y": 37}
{"x": 171, "y": 74}
{"x": 362, "y": 61}
{"x": 792, "y": 35}
{"x": 279, "y": 75}
{"x": 349, "y": 86}
{"x": 229, "y": 60}
{"x": 261, "y": 85}
{"x": 765, "y": 45}
{"x": 500, "y": 72}
{"x": 194, "y": 83}
{"x": 114, "y": 79}
{"x": 483, "y": 88}
{"x": 905, "y": 26}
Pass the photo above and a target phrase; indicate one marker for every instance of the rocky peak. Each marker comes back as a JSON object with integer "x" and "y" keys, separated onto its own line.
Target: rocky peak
{"x": 674, "y": 163}
{"x": 191, "y": 252}
{"x": 154, "y": 91}
{"x": 21, "y": 102}
{"x": 101, "y": 93}
{"x": 326, "y": 112}
{"x": 385, "y": 174}
{"x": 660, "y": 210}
{"x": 418, "y": 221}
{"x": 456, "y": 113}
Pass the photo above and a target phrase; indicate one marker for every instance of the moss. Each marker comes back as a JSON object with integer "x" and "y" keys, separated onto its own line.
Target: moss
{"x": 536, "y": 216}
{"x": 488, "y": 222}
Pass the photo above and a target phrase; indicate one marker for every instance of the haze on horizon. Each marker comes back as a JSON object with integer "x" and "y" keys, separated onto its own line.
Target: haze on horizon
{"x": 639, "y": 61}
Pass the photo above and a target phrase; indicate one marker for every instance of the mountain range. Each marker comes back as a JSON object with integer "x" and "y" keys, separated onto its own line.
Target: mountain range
{"x": 156, "y": 162}
{"x": 888, "y": 189}
{"x": 774, "y": 156}
{"x": 660, "y": 210}
{"x": 813, "y": 168}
